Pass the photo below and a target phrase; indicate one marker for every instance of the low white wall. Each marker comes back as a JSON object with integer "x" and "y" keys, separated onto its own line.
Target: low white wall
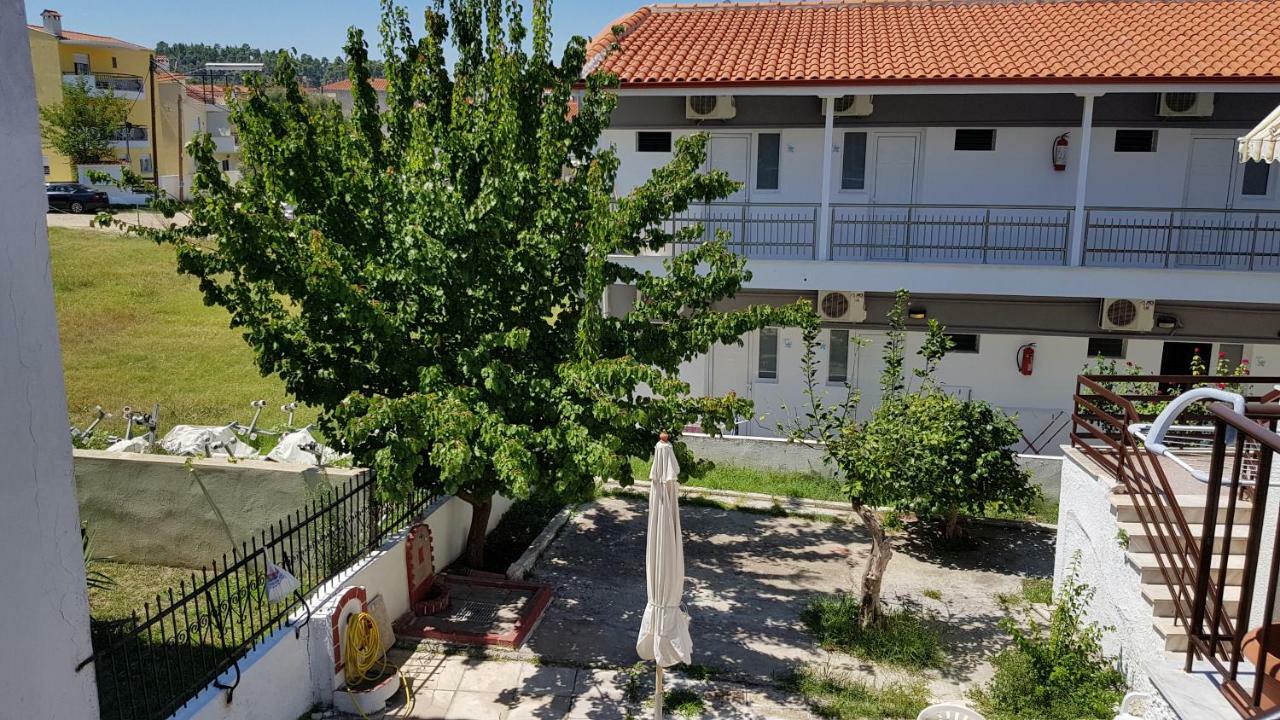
{"x": 285, "y": 676}
{"x": 766, "y": 453}
{"x": 1087, "y": 528}
{"x": 122, "y": 492}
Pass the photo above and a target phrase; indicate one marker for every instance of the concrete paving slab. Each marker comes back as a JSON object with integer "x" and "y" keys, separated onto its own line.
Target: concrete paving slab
{"x": 547, "y": 707}
{"x": 477, "y": 706}
{"x": 547, "y": 680}
{"x": 492, "y": 677}
{"x": 429, "y": 705}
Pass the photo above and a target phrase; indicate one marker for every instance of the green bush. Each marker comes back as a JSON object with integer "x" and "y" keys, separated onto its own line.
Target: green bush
{"x": 1058, "y": 673}
{"x": 902, "y": 637}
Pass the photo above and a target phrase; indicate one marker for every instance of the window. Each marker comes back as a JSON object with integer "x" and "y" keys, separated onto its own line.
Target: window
{"x": 81, "y": 64}
{"x": 978, "y": 140}
{"x": 767, "y": 362}
{"x": 653, "y": 142}
{"x": 838, "y": 357}
{"x": 1232, "y": 354}
{"x": 1257, "y": 178}
{"x": 45, "y": 162}
{"x": 226, "y": 165}
{"x": 144, "y": 164}
{"x": 1135, "y": 141}
{"x": 853, "y": 164}
{"x": 768, "y": 146}
{"x": 113, "y": 62}
{"x": 1107, "y": 347}
{"x": 962, "y": 343}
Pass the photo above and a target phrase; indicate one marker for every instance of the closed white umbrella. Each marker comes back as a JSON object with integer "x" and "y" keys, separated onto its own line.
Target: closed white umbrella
{"x": 664, "y": 631}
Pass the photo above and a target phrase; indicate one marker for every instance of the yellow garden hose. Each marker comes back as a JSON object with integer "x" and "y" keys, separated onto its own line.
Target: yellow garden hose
{"x": 361, "y": 652}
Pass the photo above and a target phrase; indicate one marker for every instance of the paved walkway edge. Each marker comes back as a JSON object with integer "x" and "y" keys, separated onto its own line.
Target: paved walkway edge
{"x": 518, "y": 569}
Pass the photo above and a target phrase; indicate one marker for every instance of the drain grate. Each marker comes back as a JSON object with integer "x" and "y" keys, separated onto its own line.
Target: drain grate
{"x": 473, "y": 611}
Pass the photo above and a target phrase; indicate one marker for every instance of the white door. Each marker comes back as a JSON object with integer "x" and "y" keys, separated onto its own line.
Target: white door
{"x": 1199, "y": 237}
{"x": 732, "y": 154}
{"x": 893, "y": 188}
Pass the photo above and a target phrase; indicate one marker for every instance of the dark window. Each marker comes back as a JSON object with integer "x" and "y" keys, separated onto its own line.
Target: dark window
{"x": 1135, "y": 141}
{"x": 1257, "y": 176}
{"x": 226, "y": 165}
{"x": 113, "y": 63}
{"x": 838, "y": 357}
{"x": 1232, "y": 353}
{"x": 768, "y": 146}
{"x": 981, "y": 140}
{"x": 653, "y": 142}
{"x": 1107, "y": 347}
{"x": 853, "y": 163}
{"x": 767, "y": 363}
{"x": 962, "y": 343}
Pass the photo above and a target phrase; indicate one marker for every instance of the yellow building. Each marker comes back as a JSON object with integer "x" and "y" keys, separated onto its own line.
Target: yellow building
{"x": 105, "y": 63}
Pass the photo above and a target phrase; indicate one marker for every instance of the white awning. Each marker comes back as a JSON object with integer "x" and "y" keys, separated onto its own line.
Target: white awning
{"x": 1263, "y": 142}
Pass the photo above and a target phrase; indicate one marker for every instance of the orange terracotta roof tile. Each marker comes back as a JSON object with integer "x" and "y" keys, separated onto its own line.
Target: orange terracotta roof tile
{"x": 936, "y": 41}
{"x": 379, "y": 85}
{"x": 73, "y": 36}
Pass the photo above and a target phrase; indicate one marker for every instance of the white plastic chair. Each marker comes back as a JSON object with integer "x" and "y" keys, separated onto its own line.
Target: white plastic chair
{"x": 948, "y": 711}
{"x": 1126, "y": 706}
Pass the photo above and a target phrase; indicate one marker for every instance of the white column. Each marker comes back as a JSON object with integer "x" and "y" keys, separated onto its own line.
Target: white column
{"x": 824, "y": 217}
{"x": 44, "y": 610}
{"x": 1082, "y": 182}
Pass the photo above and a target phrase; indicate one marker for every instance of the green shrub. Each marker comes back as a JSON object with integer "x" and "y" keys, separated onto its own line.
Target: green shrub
{"x": 833, "y": 695}
{"x": 683, "y": 703}
{"x": 901, "y": 637}
{"x": 1058, "y": 673}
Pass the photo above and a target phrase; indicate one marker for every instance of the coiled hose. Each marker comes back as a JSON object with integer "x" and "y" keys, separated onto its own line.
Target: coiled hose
{"x": 361, "y": 652}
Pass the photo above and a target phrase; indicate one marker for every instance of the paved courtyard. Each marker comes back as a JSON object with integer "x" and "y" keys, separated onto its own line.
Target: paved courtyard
{"x": 749, "y": 575}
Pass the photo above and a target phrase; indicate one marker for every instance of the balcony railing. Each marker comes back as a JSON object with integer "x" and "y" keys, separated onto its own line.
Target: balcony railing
{"x": 130, "y": 134}
{"x": 995, "y": 234}
{"x": 117, "y": 83}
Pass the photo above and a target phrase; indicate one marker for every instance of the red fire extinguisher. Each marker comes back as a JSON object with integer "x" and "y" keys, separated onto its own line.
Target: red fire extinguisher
{"x": 1026, "y": 358}
{"x": 1060, "y": 152}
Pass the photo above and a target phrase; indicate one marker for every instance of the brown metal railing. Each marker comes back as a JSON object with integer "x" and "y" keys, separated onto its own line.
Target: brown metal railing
{"x": 1243, "y": 657}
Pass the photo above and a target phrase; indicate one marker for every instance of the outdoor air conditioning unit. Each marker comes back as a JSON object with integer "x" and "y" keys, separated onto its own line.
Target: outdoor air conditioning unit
{"x": 839, "y": 306}
{"x": 849, "y": 106}
{"x": 1127, "y": 315}
{"x": 1185, "y": 104}
{"x": 709, "y": 107}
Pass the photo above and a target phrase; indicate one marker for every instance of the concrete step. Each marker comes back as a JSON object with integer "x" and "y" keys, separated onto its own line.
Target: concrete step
{"x": 1139, "y": 542}
{"x": 1149, "y": 570}
{"x": 1161, "y": 600}
{"x": 1175, "y": 636}
{"x": 1126, "y": 508}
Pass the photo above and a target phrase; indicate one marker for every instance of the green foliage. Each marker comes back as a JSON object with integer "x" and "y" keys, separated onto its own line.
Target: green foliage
{"x": 437, "y": 289}
{"x": 94, "y": 577}
{"x": 835, "y": 695}
{"x": 903, "y": 637}
{"x": 312, "y": 71}
{"x": 768, "y": 482}
{"x": 683, "y": 702}
{"x": 1058, "y": 673}
{"x": 83, "y": 125}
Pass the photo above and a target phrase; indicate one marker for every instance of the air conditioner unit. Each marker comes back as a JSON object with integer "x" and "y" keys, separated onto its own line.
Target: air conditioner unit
{"x": 849, "y": 106}
{"x": 1185, "y": 104}
{"x": 709, "y": 107}
{"x": 839, "y": 306}
{"x": 1127, "y": 315}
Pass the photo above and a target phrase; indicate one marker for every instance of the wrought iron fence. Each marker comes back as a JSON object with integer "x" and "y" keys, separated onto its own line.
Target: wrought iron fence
{"x": 778, "y": 231}
{"x": 154, "y": 662}
{"x": 1183, "y": 238}
{"x": 996, "y": 235}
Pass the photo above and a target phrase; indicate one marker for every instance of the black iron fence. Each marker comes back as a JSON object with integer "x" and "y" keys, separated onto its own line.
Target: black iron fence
{"x": 153, "y": 663}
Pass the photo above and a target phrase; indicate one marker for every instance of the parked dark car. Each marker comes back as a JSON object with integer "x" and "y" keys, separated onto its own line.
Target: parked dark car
{"x": 74, "y": 197}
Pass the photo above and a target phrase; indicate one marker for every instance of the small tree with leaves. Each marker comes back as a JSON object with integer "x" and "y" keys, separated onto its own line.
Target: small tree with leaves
{"x": 922, "y": 451}
{"x": 437, "y": 288}
{"x": 84, "y": 124}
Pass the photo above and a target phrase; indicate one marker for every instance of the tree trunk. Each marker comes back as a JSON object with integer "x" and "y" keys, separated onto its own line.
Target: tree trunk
{"x": 478, "y": 532}
{"x": 873, "y": 573}
{"x": 952, "y": 530}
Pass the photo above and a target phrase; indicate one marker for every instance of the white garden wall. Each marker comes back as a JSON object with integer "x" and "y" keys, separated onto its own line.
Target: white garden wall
{"x": 286, "y": 675}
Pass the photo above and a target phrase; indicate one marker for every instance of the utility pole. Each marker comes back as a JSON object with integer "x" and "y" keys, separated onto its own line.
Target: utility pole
{"x": 155, "y": 154}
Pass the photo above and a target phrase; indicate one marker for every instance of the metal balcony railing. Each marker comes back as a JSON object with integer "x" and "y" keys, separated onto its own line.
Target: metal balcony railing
{"x": 115, "y": 82}
{"x": 1190, "y": 238}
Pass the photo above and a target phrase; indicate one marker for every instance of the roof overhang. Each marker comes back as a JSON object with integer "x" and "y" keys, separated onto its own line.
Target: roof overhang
{"x": 959, "y": 87}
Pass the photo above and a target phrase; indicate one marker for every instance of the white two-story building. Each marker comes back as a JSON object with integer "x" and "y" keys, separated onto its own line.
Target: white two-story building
{"x": 1051, "y": 180}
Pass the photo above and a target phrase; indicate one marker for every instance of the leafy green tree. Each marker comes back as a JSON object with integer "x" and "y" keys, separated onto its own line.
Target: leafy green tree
{"x": 922, "y": 451}
{"x": 82, "y": 126}
{"x": 437, "y": 287}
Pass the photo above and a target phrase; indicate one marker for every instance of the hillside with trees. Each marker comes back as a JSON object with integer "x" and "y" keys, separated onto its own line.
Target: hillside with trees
{"x": 312, "y": 71}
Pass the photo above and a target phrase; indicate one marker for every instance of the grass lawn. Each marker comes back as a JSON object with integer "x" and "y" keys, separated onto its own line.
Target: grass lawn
{"x": 768, "y": 482}
{"x": 134, "y": 585}
{"x": 135, "y": 332}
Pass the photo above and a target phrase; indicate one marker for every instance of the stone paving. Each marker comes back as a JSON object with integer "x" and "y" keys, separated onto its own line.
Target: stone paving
{"x": 461, "y": 687}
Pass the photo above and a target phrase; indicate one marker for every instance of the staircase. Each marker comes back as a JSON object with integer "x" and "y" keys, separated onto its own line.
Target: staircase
{"x": 1142, "y": 559}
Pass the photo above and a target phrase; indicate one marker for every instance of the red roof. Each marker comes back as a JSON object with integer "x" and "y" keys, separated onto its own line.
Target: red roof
{"x": 379, "y": 85}
{"x": 73, "y": 36}
{"x": 934, "y": 41}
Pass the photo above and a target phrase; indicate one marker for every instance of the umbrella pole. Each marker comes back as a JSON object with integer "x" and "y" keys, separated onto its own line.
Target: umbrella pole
{"x": 657, "y": 696}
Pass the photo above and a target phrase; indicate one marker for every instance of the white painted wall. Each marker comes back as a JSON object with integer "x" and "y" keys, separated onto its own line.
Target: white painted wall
{"x": 44, "y": 621}
{"x": 286, "y": 675}
{"x": 1039, "y": 401}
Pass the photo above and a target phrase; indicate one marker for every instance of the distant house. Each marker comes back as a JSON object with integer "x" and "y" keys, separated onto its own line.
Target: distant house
{"x": 341, "y": 91}
{"x": 1053, "y": 181}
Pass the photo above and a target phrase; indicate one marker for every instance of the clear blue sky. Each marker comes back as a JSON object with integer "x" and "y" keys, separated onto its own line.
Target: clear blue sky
{"x": 317, "y": 27}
